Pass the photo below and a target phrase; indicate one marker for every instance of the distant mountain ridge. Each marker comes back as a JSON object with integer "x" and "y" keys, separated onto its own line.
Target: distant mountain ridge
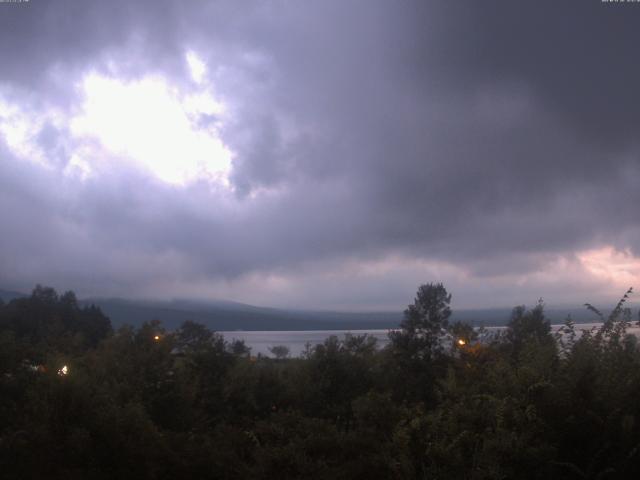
{"x": 229, "y": 316}
{"x": 222, "y": 315}
{"x": 8, "y": 295}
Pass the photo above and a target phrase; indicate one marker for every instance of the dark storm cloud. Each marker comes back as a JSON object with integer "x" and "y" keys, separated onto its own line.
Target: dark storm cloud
{"x": 487, "y": 134}
{"x": 578, "y": 56}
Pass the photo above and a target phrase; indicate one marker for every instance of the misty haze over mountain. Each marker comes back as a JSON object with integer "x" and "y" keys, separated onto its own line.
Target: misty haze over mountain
{"x": 230, "y": 316}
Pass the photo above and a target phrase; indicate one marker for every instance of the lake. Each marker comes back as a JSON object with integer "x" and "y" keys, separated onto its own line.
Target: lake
{"x": 295, "y": 340}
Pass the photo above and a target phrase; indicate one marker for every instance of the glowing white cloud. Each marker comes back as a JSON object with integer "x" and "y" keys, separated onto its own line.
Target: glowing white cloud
{"x": 19, "y": 130}
{"x": 197, "y": 67}
{"x": 154, "y": 125}
{"x": 620, "y": 269}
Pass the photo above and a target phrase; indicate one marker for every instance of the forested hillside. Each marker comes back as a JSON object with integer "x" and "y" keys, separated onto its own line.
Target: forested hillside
{"x": 79, "y": 400}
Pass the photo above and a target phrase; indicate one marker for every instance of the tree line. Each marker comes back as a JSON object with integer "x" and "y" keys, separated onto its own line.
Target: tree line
{"x": 80, "y": 400}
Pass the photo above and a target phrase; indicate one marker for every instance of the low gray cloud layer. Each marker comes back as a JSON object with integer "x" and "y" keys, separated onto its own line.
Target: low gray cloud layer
{"x": 488, "y": 137}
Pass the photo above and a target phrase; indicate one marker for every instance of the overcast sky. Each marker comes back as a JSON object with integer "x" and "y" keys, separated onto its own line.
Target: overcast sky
{"x": 321, "y": 154}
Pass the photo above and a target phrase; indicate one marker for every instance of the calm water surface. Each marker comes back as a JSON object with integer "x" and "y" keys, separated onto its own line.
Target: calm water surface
{"x": 260, "y": 342}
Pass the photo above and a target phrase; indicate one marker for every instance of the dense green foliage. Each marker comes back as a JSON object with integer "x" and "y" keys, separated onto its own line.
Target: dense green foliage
{"x": 435, "y": 403}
